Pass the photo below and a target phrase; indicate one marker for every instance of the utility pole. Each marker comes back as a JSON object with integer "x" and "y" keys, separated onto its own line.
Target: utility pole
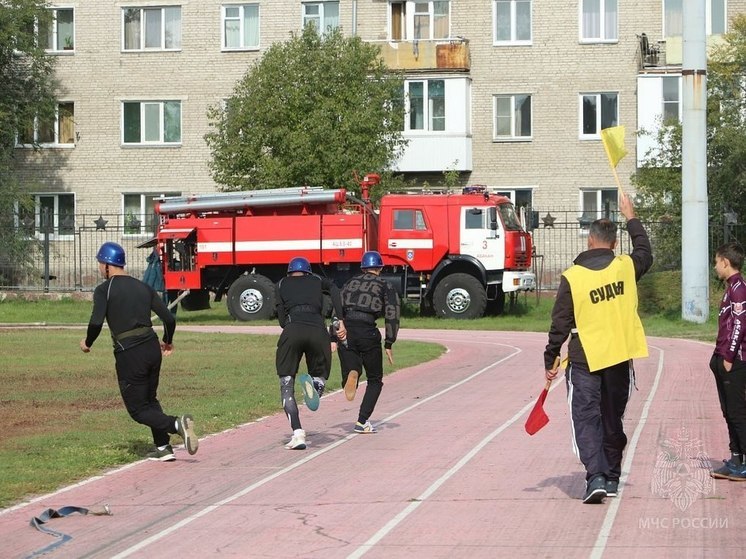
{"x": 695, "y": 259}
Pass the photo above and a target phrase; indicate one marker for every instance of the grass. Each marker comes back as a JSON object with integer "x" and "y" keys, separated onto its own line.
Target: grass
{"x": 64, "y": 420}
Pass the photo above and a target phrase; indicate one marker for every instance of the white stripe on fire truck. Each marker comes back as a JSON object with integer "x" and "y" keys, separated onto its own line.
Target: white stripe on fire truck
{"x": 410, "y": 243}
{"x": 298, "y": 244}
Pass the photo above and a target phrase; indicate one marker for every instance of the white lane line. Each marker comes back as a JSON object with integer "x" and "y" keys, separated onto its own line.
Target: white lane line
{"x": 603, "y": 536}
{"x": 395, "y": 521}
{"x": 189, "y": 519}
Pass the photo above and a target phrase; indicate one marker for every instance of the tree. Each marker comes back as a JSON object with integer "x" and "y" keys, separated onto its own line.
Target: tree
{"x": 312, "y": 111}
{"x": 26, "y": 93}
{"x": 658, "y": 180}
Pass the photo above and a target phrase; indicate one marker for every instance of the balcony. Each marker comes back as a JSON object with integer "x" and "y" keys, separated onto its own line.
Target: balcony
{"x": 450, "y": 55}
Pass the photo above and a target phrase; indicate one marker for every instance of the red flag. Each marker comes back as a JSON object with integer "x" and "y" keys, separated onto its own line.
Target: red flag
{"x": 538, "y": 417}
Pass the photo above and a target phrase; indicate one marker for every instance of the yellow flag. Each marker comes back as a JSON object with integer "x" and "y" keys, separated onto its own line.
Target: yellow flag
{"x": 613, "y": 139}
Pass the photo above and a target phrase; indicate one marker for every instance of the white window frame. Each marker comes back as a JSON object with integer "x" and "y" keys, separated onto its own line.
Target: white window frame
{"x": 610, "y": 192}
{"x": 56, "y": 142}
{"x": 54, "y": 235}
{"x": 599, "y": 115}
{"x": 409, "y": 20}
{"x": 605, "y": 35}
{"x": 143, "y": 213}
{"x": 142, "y": 47}
{"x": 708, "y": 19}
{"x": 306, "y": 18}
{"x": 427, "y": 117}
{"x": 54, "y": 32}
{"x": 241, "y": 27}
{"x": 514, "y": 136}
{"x": 513, "y": 41}
{"x": 677, "y": 102}
{"x": 161, "y": 120}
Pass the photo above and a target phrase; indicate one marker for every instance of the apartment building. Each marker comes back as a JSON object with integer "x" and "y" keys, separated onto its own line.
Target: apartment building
{"x": 512, "y": 94}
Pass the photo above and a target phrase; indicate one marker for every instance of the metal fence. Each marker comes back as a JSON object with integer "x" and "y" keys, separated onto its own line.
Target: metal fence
{"x": 66, "y": 262}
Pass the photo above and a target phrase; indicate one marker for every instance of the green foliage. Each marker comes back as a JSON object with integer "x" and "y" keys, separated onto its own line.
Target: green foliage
{"x": 658, "y": 181}
{"x": 27, "y": 91}
{"x": 314, "y": 110}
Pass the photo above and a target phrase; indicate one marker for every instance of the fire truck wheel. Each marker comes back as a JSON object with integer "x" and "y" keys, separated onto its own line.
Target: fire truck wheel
{"x": 460, "y": 296}
{"x": 251, "y": 297}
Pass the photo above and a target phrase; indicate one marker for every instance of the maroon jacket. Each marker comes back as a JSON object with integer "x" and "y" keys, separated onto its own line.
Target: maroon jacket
{"x": 731, "y": 341}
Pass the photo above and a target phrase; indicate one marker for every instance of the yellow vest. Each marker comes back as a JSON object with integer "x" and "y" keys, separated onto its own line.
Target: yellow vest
{"x": 605, "y": 306}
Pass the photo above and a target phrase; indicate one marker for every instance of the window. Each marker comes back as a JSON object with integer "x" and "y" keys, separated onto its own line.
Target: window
{"x": 598, "y": 111}
{"x": 60, "y": 35}
{"x": 410, "y": 19}
{"x": 512, "y": 21}
{"x": 408, "y": 220}
{"x": 474, "y": 219}
{"x": 427, "y": 105}
{"x": 673, "y": 17}
{"x": 598, "y": 203}
{"x": 323, "y": 15}
{"x": 598, "y": 20}
{"x": 521, "y": 197}
{"x": 512, "y": 117}
{"x": 139, "y": 212}
{"x": 151, "y": 122}
{"x": 671, "y": 99}
{"x": 240, "y": 26}
{"x": 151, "y": 28}
{"x": 54, "y": 131}
{"x": 52, "y": 213}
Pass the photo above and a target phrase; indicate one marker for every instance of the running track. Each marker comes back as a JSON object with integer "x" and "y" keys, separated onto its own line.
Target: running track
{"x": 450, "y": 474}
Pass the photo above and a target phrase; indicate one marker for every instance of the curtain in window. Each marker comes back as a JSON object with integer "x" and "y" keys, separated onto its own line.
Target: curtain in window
{"x": 674, "y": 22}
{"x": 416, "y": 106}
{"x": 152, "y": 122}
{"x": 153, "y": 28}
{"x": 441, "y": 19}
{"x": 590, "y": 204}
{"x": 523, "y": 20}
{"x": 131, "y": 28}
{"x": 502, "y": 20}
{"x": 503, "y": 108}
{"x": 591, "y": 19}
{"x": 65, "y": 30}
{"x": 66, "y": 123}
{"x": 251, "y": 25}
{"x": 232, "y": 27}
{"x": 436, "y": 92}
{"x": 172, "y": 121}
{"x": 610, "y": 19}
{"x": 331, "y": 16}
{"x": 421, "y": 20}
{"x": 172, "y": 18}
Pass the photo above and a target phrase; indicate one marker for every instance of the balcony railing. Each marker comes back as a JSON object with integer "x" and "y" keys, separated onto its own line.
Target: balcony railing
{"x": 446, "y": 54}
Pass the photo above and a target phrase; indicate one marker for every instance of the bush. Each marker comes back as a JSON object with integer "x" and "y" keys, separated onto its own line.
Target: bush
{"x": 659, "y": 293}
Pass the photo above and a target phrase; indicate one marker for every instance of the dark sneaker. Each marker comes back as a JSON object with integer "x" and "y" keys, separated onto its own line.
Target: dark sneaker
{"x": 319, "y": 385}
{"x": 185, "y": 426}
{"x": 165, "y": 455}
{"x": 365, "y": 428}
{"x": 310, "y": 396}
{"x": 736, "y": 472}
{"x": 612, "y": 487}
{"x": 724, "y": 471}
{"x": 351, "y": 385}
{"x": 595, "y": 492}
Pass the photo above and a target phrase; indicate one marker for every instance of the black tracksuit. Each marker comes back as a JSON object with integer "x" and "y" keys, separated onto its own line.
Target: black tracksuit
{"x": 597, "y": 399}
{"x": 126, "y": 303}
{"x": 365, "y": 298}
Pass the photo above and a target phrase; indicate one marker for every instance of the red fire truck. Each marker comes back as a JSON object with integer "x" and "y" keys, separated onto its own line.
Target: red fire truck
{"x": 453, "y": 253}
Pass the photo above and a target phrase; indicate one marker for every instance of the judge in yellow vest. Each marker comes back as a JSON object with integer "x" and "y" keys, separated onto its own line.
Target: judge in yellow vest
{"x": 596, "y": 308}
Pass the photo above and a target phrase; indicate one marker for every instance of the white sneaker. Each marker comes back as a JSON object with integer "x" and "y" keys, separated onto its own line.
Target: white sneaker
{"x": 298, "y": 441}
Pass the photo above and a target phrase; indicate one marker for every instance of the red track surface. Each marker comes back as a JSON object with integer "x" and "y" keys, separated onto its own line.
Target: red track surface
{"x": 451, "y": 473}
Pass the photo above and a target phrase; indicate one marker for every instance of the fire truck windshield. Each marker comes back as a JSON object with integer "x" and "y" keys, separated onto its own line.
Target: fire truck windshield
{"x": 509, "y": 217}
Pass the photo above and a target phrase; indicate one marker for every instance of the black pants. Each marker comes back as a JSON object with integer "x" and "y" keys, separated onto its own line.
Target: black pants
{"x": 363, "y": 351}
{"x": 138, "y": 372}
{"x": 597, "y": 403}
{"x": 731, "y": 387}
{"x": 297, "y": 340}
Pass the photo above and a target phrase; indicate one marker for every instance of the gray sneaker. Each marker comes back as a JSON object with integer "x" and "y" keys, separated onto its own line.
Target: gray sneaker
{"x": 612, "y": 487}
{"x": 185, "y": 426}
{"x": 595, "y": 492}
{"x": 319, "y": 385}
{"x": 165, "y": 455}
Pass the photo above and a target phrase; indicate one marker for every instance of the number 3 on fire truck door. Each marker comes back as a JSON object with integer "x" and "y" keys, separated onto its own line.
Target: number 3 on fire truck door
{"x": 484, "y": 244}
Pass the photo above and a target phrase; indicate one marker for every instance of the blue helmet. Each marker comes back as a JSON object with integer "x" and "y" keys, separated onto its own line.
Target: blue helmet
{"x": 111, "y": 253}
{"x": 299, "y": 264}
{"x": 371, "y": 259}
